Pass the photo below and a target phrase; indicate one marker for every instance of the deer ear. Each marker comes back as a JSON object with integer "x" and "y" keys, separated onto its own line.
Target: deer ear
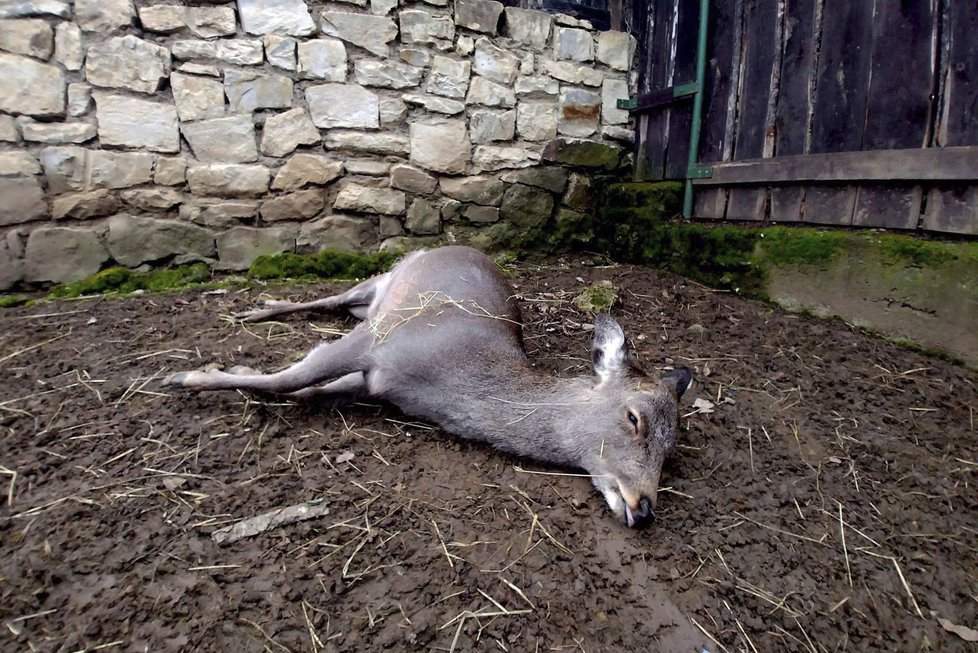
{"x": 609, "y": 353}
{"x": 679, "y": 379}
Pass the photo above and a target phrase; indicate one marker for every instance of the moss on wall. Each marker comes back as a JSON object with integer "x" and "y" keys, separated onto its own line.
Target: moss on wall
{"x": 123, "y": 281}
{"x": 327, "y": 264}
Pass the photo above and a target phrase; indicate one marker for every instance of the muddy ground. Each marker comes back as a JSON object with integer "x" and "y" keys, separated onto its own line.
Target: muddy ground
{"x": 828, "y": 503}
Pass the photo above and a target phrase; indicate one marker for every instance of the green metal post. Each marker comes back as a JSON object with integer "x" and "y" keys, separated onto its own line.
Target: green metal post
{"x": 694, "y": 135}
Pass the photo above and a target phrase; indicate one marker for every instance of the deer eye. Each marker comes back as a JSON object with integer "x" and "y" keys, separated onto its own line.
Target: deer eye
{"x": 633, "y": 419}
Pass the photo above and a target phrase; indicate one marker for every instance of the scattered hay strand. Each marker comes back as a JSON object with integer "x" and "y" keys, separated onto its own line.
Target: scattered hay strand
{"x": 842, "y": 534}
{"x": 269, "y": 520}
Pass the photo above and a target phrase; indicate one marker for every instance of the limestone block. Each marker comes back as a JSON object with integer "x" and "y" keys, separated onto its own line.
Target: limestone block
{"x": 611, "y": 91}
{"x": 579, "y": 112}
{"x": 578, "y": 194}
{"x": 197, "y": 98}
{"x": 353, "y": 141}
{"x": 392, "y": 111}
{"x": 424, "y": 217}
{"x": 171, "y": 171}
{"x": 210, "y": 22}
{"x": 31, "y": 88}
{"x": 202, "y": 69}
{"x": 573, "y": 44}
{"x": 11, "y": 260}
{"x": 284, "y": 132}
{"x": 285, "y": 17}
{"x": 571, "y": 73}
{"x": 481, "y": 214}
{"x": 363, "y": 199}
{"x": 62, "y": 254}
{"x": 21, "y": 8}
{"x": 382, "y": 7}
{"x": 134, "y": 240}
{"x": 371, "y": 33}
{"x": 582, "y": 153}
{"x": 222, "y": 140}
{"x": 488, "y": 126}
{"x": 421, "y": 28}
{"x": 387, "y": 74}
{"x": 228, "y": 180}
{"x": 536, "y": 120}
{"x": 566, "y": 20}
{"x": 550, "y": 178}
{"x": 388, "y": 227}
{"x": 219, "y": 213}
{"x": 103, "y": 15}
{"x": 21, "y": 200}
{"x": 336, "y": 232}
{"x": 8, "y": 130}
{"x": 248, "y": 90}
{"x": 323, "y": 58}
{"x": 496, "y": 157}
{"x": 244, "y": 52}
{"x": 487, "y": 191}
{"x": 300, "y": 205}
{"x": 64, "y": 168}
{"x": 127, "y": 62}
{"x": 448, "y": 77}
{"x": 163, "y": 19}
{"x": 238, "y": 247}
{"x": 490, "y": 94}
{"x": 82, "y": 206}
{"x": 495, "y": 63}
{"x": 56, "y": 133}
{"x": 435, "y": 103}
{"x": 412, "y": 179}
{"x": 79, "y": 99}
{"x": 152, "y": 199}
{"x": 281, "y": 51}
{"x": 464, "y": 45}
{"x": 306, "y": 169}
{"x": 616, "y": 49}
{"x": 32, "y": 37}
{"x": 131, "y": 122}
{"x": 526, "y": 206}
{"x": 18, "y": 162}
{"x": 528, "y": 27}
{"x": 478, "y": 15}
{"x": 367, "y": 167}
{"x": 343, "y": 105}
{"x": 68, "y": 46}
{"x": 108, "y": 169}
{"x": 536, "y": 85}
{"x": 615, "y": 133}
{"x": 441, "y": 145}
{"x": 419, "y": 57}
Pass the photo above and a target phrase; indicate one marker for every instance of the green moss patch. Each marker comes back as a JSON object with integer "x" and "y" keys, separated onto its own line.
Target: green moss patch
{"x": 123, "y": 281}
{"x": 326, "y": 265}
{"x": 9, "y": 301}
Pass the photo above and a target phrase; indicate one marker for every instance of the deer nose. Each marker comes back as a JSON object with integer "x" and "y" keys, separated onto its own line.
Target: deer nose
{"x": 644, "y": 516}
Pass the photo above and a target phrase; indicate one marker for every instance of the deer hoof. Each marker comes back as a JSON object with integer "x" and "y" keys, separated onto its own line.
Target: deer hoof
{"x": 176, "y": 380}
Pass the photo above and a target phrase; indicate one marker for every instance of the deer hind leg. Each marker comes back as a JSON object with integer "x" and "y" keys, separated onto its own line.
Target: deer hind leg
{"x": 332, "y": 360}
{"x": 356, "y": 301}
{"x": 343, "y": 390}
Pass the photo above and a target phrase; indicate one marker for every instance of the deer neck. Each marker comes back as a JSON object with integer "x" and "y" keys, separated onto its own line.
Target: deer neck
{"x": 538, "y": 417}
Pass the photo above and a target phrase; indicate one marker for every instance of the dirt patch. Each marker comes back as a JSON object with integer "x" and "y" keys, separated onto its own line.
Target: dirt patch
{"x": 826, "y": 503}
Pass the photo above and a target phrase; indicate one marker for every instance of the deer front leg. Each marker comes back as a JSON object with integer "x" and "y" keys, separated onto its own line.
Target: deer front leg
{"x": 356, "y": 300}
{"x": 327, "y": 361}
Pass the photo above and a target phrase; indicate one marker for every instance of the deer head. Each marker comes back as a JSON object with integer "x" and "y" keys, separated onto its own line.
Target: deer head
{"x": 637, "y": 425}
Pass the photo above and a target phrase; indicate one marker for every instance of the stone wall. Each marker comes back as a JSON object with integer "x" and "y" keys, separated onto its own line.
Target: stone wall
{"x": 147, "y": 132}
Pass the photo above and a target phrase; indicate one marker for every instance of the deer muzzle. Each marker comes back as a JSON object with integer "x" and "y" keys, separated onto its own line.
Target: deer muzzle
{"x": 640, "y": 516}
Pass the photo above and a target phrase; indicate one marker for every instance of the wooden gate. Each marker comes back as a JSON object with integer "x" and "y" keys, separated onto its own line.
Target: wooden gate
{"x": 818, "y": 111}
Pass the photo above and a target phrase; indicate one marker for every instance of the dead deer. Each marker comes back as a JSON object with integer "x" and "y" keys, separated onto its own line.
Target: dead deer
{"x": 441, "y": 339}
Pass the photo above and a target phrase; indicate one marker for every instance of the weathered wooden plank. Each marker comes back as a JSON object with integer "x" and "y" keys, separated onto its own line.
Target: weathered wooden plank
{"x": 843, "y": 76}
{"x": 930, "y": 164}
{"x": 887, "y": 206}
{"x": 681, "y": 115}
{"x": 797, "y": 71}
{"x": 831, "y": 205}
{"x": 761, "y": 58}
{"x": 786, "y": 203}
{"x": 898, "y": 100}
{"x": 959, "y": 125}
{"x": 953, "y": 210}
{"x": 721, "y": 84}
{"x": 710, "y": 203}
{"x": 657, "y": 75}
{"x": 746, "y": 203}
